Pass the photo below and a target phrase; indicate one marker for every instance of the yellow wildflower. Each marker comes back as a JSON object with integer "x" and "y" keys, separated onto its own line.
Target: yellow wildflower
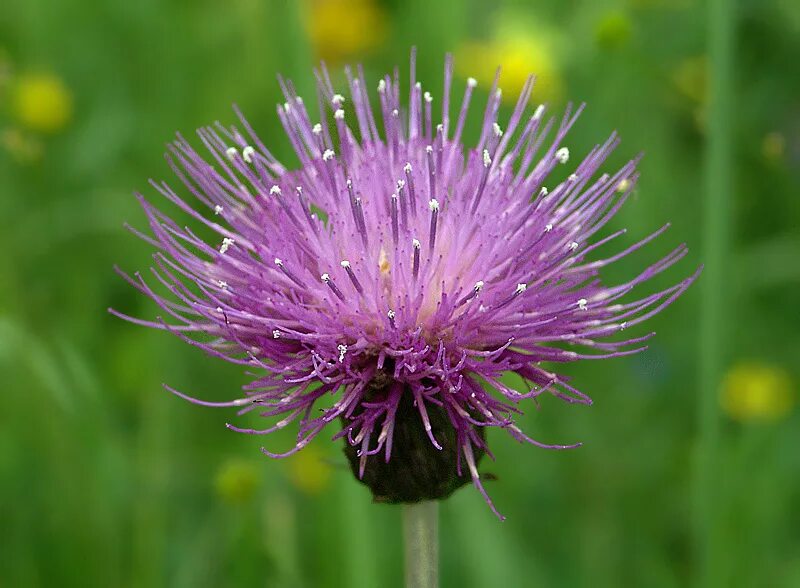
{"x": 613, "y": 30}
{"x": 340, "y": 29}
{"x": 236, "y": 481}
{"x": 773, "y": 147}
{"x": 42, "y": 103}
{"x": 754, "y": 391}
{"x": 308, "y": 471}
{"x": 22, "y": 147}
{"x": 520, "y": 55}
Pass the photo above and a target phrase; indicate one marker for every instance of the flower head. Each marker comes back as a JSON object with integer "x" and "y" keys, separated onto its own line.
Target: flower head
{"x": 435, "y": 268}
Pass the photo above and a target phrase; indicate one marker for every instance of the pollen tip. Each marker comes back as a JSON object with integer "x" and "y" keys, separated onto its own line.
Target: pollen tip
{"x": 472, "y": 82}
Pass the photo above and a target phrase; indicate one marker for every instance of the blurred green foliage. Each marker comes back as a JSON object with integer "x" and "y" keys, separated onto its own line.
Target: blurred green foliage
{"x": 107, "y": 480}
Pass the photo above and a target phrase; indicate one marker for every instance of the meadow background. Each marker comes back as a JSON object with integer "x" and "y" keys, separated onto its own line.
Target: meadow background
{"x": 690, "y": 472}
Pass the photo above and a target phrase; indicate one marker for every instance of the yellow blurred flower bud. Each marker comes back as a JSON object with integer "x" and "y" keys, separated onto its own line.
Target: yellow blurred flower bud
{"x": 613, "y": 30}
{"x": 754, "y": 391}
{"x": 41, "y": 102}
{"x": 308, "y": 472}
{"x": 773, "y": 147}
{"x": 691, "y": 78}
{"x": 21, "y": 146}
{"x": 236, "y": 481}
{"x": 340, "y": 29}
{"x": 519, "y": 56}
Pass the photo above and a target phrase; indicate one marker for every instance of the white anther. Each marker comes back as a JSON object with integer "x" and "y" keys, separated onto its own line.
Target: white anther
{"x": 623, "y": 326}
{"x": 342, "y": 350}
{"x": 548, "y": 227}
{"x": 325, "y": 278}
{"x": 316, "y": 129}
{"x": 275, "y": 189}
{"x": 428, "y": 97}
{"x": 337, "y": 99}
{"x": 395, "y": 112}
{"x": 416, "y": 244}
{"x": 440, "y": 128}
{"x": 286, "y": 107}
{"x": 344, "y": 263}
{"x": 478, "y": 286}
{"x": 498, "y": 132}
{"x": 328, "y": 155}
{"x": 231, "y": 152}
{"x": 381, "y": 85}
{"x": 433, "y": 204}
{"x": 390, "y": 314}
{"x": 573, "y": 177}
{"x": 573, "y": 245}
{"x": 217, "y": 209}
{"x": 544, "y": 191}
{"x": 418, "y": 85}
{"x": 499, "y": 93}
{"x": 400, "y": 184}
{"x": 624, "y": 185}
{"x": 472, "y": 82}
{"x": 562, "y": 155}
{"x": 407, "y": 168}
{"x": 487, "y": 160}
{"x": 582, "y": 303}
{"x": 537, "y": 114}
{"x": 339, "y": 114}
{"x": 222, "y": 284}
{"x": 278, "y": 261}
{"x": 298, "y": 99}
{"x": 226, "y": 243}
{"x": 219, "y": 309}
{"x": 276, "y": 334}
{"x": 520, "y": 288}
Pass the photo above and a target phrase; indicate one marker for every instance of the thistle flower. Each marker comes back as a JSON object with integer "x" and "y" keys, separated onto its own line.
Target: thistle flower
{"x": 435, "y": 268}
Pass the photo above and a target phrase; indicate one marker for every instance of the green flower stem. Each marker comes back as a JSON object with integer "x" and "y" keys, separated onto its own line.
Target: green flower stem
{"x": 421, "y": 539}
{"x": 714, "y": 313}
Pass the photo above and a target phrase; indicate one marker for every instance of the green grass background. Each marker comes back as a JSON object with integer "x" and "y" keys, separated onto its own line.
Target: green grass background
{"x": 107, "y": 480}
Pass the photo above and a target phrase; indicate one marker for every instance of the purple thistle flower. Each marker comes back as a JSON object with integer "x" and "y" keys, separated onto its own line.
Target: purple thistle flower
{"x": 435, "y": 269}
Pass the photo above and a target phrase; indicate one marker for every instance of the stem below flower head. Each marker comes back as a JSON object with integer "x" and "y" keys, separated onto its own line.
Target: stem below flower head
{"x": 421, "y": 539}
{"x": 709, "y": 542}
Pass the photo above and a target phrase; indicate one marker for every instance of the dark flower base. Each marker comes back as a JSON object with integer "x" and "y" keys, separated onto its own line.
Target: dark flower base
{"x": 417, "y": 470}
